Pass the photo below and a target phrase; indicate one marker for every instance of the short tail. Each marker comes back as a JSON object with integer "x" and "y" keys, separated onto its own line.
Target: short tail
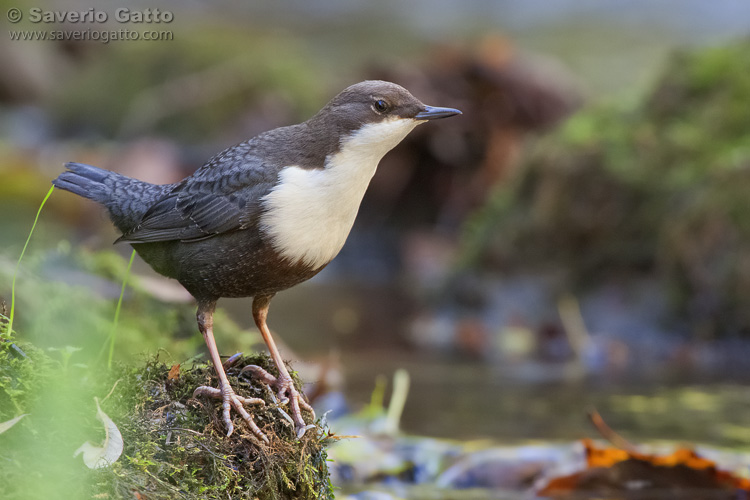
{"x": 126, "y": 199}
{"x": 86, "y": 181}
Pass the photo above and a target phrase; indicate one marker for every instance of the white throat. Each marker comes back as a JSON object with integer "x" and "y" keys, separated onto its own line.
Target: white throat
{"x": 309, "y": 214}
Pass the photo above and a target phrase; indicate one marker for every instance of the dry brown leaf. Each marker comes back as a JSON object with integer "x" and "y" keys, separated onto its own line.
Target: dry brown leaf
{"x": 174, "y": 372}
{"x": 612, "y": 469}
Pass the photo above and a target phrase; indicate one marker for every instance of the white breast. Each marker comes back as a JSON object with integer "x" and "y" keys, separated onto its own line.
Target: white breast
{"x": 309, "y": 213}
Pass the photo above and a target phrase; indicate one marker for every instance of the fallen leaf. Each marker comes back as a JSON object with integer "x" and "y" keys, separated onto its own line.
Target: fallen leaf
{"x": 612, "y": 469}
{"x": 96, "y": 457}
{"x": 4, "y": 426}
{"x": 174, "y": 372}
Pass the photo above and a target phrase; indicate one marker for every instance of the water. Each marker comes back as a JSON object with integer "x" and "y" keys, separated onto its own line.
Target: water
{"x": 465, "y": 399}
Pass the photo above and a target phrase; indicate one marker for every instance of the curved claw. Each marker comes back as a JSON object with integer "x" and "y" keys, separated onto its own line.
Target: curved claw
{"x": 296, "y": 401}
{"x": 231, "y": 400}
{"x": 286, "y": 393}
{"x": 260, "y": 374}
{"x": 302, "y": 431}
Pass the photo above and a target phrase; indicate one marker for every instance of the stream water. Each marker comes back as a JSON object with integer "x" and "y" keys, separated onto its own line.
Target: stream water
{"x": 466, "y": 399}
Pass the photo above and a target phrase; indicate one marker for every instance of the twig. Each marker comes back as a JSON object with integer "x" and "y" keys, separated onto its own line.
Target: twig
{"x": 398, "y": 400}
{"x": 609, "y": 434}
{"x": 184, "y": 429}
{"x": 575, "y": 327}
{"x": 111, "y": 390}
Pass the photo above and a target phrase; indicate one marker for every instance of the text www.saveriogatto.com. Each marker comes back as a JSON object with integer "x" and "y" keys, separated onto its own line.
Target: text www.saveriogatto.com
{"x": 90, "y": 25}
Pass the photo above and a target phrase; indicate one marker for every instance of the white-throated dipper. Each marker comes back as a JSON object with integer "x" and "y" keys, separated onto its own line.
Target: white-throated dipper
{"x": 261, "y": 216}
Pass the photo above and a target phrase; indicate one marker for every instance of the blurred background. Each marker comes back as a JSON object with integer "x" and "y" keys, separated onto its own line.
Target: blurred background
{"x": 578, "y": 237}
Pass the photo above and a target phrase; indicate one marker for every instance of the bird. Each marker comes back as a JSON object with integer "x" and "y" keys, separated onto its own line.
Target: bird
{"x": 259, "y": 217}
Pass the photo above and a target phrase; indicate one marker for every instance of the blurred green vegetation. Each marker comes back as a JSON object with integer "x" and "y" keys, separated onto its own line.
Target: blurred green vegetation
{"x": 188, "y": 89}
{"x": 657, "y": 186}
{"x": 67, "y": 296}
{"x": 36, "y": 452}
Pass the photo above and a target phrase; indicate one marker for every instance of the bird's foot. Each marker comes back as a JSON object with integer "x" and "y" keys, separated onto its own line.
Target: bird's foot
{"x": 286, "y": 393}
{"x": 231, "y": 400}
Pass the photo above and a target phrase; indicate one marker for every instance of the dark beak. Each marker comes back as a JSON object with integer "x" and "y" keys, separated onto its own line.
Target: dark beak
{"x": 433, "y": 113}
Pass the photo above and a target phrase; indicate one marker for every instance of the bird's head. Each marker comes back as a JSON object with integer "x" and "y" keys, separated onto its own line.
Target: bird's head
{"x": 375, "y": 115}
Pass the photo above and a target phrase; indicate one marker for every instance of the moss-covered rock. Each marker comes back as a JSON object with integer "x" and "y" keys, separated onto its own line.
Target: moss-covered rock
{"x": 657, "y": 186}
{"x": 174, "y": 445}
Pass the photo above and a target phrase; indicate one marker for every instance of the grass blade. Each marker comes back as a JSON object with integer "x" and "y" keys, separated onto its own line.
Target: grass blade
{"x": 18, "y": 264}
{"x": 113, "y": 331}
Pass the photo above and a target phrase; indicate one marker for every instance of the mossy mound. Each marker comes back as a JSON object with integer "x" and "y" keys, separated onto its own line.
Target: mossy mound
{"x": 656, "y": 187}
{"x": 177, "y": 443}
{"x": 174, "y": 445}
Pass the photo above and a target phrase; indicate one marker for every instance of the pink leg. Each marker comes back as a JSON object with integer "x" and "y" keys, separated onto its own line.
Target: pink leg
{"x": 225, "y": 392}
{"x": 283, "y": 383}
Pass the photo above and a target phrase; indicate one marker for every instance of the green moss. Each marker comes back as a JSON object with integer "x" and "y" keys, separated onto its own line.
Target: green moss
{"x": 174, "y": 445}
{"x": 657, "y": 186}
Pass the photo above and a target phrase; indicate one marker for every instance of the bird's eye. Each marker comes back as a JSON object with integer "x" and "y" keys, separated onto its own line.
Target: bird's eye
{"x": 381, "y": 106}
